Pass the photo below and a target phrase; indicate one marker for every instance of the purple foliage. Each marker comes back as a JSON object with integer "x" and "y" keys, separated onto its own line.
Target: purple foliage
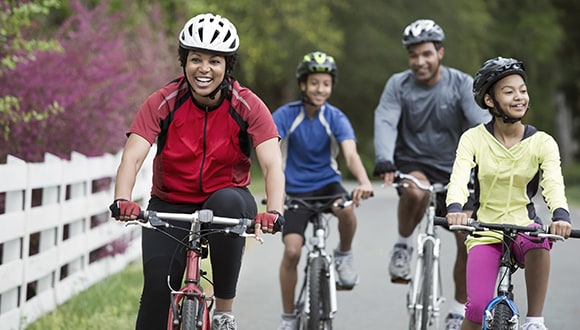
{"x": 99, "y": 80}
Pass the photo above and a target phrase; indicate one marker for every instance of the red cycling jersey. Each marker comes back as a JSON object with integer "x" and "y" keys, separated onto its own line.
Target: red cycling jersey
{"x": 204, "y": 148}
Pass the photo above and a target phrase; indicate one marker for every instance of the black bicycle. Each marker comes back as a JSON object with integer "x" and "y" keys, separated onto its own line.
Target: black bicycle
{"x": 316, "y": 304}
{"x": 501, "y": 313}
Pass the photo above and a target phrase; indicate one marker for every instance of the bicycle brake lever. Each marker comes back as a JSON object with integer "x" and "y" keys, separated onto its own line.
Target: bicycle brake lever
{"x": 461, "y": 227}
{"x": 258, "y": 238}
{"x": 551, "y": 236}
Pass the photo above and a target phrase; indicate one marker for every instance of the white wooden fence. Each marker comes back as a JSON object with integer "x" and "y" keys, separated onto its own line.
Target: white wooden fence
{"x": 56, "y": 235}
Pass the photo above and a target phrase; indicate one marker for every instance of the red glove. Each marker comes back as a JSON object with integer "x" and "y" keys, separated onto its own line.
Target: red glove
{"x": 271, "y": 221}
{"x": 124, "y": 208}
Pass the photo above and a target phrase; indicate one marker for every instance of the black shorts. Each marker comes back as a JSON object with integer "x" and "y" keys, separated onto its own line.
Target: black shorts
{"x": 434, "y": 176}
{"x": 297, "y": 220}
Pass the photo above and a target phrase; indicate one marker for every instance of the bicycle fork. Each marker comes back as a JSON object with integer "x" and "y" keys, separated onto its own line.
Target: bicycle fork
{"x": 435, "y": 296}
{"x": 504, "y": 295}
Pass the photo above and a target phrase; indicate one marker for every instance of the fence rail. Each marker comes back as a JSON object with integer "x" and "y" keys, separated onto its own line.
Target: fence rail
{"x": 56, "y": 236}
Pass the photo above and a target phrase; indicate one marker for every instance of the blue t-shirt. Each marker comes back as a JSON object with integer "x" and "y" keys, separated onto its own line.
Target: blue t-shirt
{"x": 310, "y": 146}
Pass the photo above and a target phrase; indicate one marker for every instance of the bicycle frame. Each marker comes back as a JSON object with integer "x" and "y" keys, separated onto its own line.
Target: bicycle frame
{"x": 501, "y": 311}
{"x": 316, "y": 245}
{"x": 192, "y": 288}
{"x": 424, "y": 307}
{"x": 504, "y": 290}
{"x": 190, "y": 306}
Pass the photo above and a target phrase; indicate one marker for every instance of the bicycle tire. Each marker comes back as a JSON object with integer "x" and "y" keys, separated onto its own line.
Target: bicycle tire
{"x": 189, "y": 313}
{"x": 501, "y": 317}
{"x": 427, "y": 283}
{"x": 319, "y": 297}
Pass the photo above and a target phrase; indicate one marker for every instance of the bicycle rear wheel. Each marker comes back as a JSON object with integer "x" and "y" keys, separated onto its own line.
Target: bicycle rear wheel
{"x": 319, "y": 297}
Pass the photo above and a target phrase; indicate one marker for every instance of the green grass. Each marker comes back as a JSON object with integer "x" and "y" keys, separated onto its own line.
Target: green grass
{"x": 110, "y": 304}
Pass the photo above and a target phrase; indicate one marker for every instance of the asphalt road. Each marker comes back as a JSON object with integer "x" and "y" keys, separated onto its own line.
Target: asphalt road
{"x": 376, "y": 303}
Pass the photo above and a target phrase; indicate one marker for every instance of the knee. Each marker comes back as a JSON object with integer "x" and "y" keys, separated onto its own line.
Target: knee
{"x": 292, "y": 255}
{"x": 474, "y": 310}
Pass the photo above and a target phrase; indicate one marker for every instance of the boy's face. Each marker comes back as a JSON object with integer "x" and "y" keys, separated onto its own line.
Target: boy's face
{"x": 318, "y": 88}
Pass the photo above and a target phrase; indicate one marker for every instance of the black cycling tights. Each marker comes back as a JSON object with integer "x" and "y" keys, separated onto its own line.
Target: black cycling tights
{"x": 160, "y": 253}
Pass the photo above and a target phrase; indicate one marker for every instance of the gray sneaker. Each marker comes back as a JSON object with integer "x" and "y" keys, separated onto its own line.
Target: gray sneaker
{"x": 400, "y": 265}
{"x": 346, "y": 277}
{"x": 224, "y": 322}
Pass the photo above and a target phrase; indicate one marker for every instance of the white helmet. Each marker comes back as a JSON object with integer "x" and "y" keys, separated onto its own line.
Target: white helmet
{"x": 422, "y": 30}
{"x": 210, "y": 32}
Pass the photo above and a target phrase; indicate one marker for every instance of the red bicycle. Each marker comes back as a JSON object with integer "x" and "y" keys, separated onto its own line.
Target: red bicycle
{"x": 190, "y": 307}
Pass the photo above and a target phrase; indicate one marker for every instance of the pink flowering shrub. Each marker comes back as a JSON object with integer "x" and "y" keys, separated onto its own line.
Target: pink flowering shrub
{"x": 100, "y": 79}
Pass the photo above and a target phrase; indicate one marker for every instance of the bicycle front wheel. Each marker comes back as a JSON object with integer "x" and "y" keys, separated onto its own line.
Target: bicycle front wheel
{"x": 319, "y": 295}
{"x": 427, "y": 285}
{"x": 502, "y": 317}
{"x": 421, "y": 290}
{"x": 189, "y": 314}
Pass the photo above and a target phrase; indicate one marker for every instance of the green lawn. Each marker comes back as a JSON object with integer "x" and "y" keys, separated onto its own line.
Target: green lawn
{"x": 110, "y": 304}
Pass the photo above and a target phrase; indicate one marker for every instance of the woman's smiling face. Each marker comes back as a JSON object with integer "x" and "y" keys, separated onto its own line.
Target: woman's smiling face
{"x": 205, "y": 72}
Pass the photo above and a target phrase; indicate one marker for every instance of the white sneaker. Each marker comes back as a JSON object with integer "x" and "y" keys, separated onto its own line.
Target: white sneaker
{"x": 346, "y": 277}
{"x": 453, "y": 321}
{"x": 288, "y": 324}
{"x": 400, "y": 264}
{"x": 224, "y": 322}
{"x": 534, "y": 326}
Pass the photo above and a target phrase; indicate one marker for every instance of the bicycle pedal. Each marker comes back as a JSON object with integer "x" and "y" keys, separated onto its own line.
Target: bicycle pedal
{"x": 340, "y": 287}
{"x": 400, "y": 280}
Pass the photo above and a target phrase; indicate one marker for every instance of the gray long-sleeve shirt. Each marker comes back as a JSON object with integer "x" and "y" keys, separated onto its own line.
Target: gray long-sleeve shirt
{"x": 419, "y": 123}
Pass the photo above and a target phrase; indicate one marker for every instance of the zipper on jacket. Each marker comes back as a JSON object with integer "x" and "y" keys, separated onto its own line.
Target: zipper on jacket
{"x": 204, "y": 148}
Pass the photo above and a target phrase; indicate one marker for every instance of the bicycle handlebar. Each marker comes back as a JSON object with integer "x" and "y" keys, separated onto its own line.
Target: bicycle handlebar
{"x": 154, "y": 219}
{"x": 317, "y": 203}
{"x": 435, "y": 187}
{"x": 473, "y": 225}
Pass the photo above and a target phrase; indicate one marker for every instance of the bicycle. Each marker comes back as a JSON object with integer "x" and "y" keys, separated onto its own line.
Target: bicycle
{"x": 501, "y": 313}
{"x": 190, "y": 307}
{"x": 316, "y": 304}
{"x": 424, "y": 295}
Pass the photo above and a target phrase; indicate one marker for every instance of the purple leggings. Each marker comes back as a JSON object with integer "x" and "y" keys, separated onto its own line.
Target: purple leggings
{"x": 483, "y": 267}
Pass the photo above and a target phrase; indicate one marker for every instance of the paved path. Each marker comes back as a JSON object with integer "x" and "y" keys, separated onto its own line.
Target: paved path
{"x": 376, "y": 303}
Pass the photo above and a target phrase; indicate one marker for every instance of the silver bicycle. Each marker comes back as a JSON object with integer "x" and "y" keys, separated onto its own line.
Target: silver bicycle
{"x": 424, "y": 296}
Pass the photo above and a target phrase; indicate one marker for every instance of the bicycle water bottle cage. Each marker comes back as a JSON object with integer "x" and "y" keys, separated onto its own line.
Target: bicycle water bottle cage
{"x": 205, "y": 216}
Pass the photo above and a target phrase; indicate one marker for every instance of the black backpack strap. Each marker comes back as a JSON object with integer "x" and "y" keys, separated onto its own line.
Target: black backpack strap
{"x": 245, "y": 141}
{"x": 164, "y": 124}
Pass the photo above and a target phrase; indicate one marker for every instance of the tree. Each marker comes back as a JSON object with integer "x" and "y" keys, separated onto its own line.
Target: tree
{"x": 102, "y": 75}
{"x": 16, "y": 49}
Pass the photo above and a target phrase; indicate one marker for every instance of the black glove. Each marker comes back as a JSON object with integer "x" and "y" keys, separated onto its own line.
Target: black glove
{"x": 383, "y": 167}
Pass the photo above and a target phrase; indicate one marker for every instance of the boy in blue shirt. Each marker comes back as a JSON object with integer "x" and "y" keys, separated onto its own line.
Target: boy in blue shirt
{"x": 313, "y": 132}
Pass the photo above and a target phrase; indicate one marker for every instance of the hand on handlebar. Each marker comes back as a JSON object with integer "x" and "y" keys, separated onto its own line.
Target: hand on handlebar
{"x": 561, "y": 228}
{"x": 269, "y": 222}
{"x": 457, "y": 218}
{"x": 362, "y": 191}
{"x": 124, "y": 210}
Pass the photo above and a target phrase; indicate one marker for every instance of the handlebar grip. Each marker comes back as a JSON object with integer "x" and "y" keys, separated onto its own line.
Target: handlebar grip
{"x": 575, "y": 233}
{"x": 141, "y": 215}
{"x": 279, "y": 224}
{"x": 440, "y": 221}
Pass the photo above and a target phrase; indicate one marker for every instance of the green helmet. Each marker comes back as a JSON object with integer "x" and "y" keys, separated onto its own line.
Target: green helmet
{"x": 316, "y": 62}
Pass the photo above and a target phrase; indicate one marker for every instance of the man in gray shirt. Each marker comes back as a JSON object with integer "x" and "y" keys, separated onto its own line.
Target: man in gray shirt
{"x": 421, "y": 114}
